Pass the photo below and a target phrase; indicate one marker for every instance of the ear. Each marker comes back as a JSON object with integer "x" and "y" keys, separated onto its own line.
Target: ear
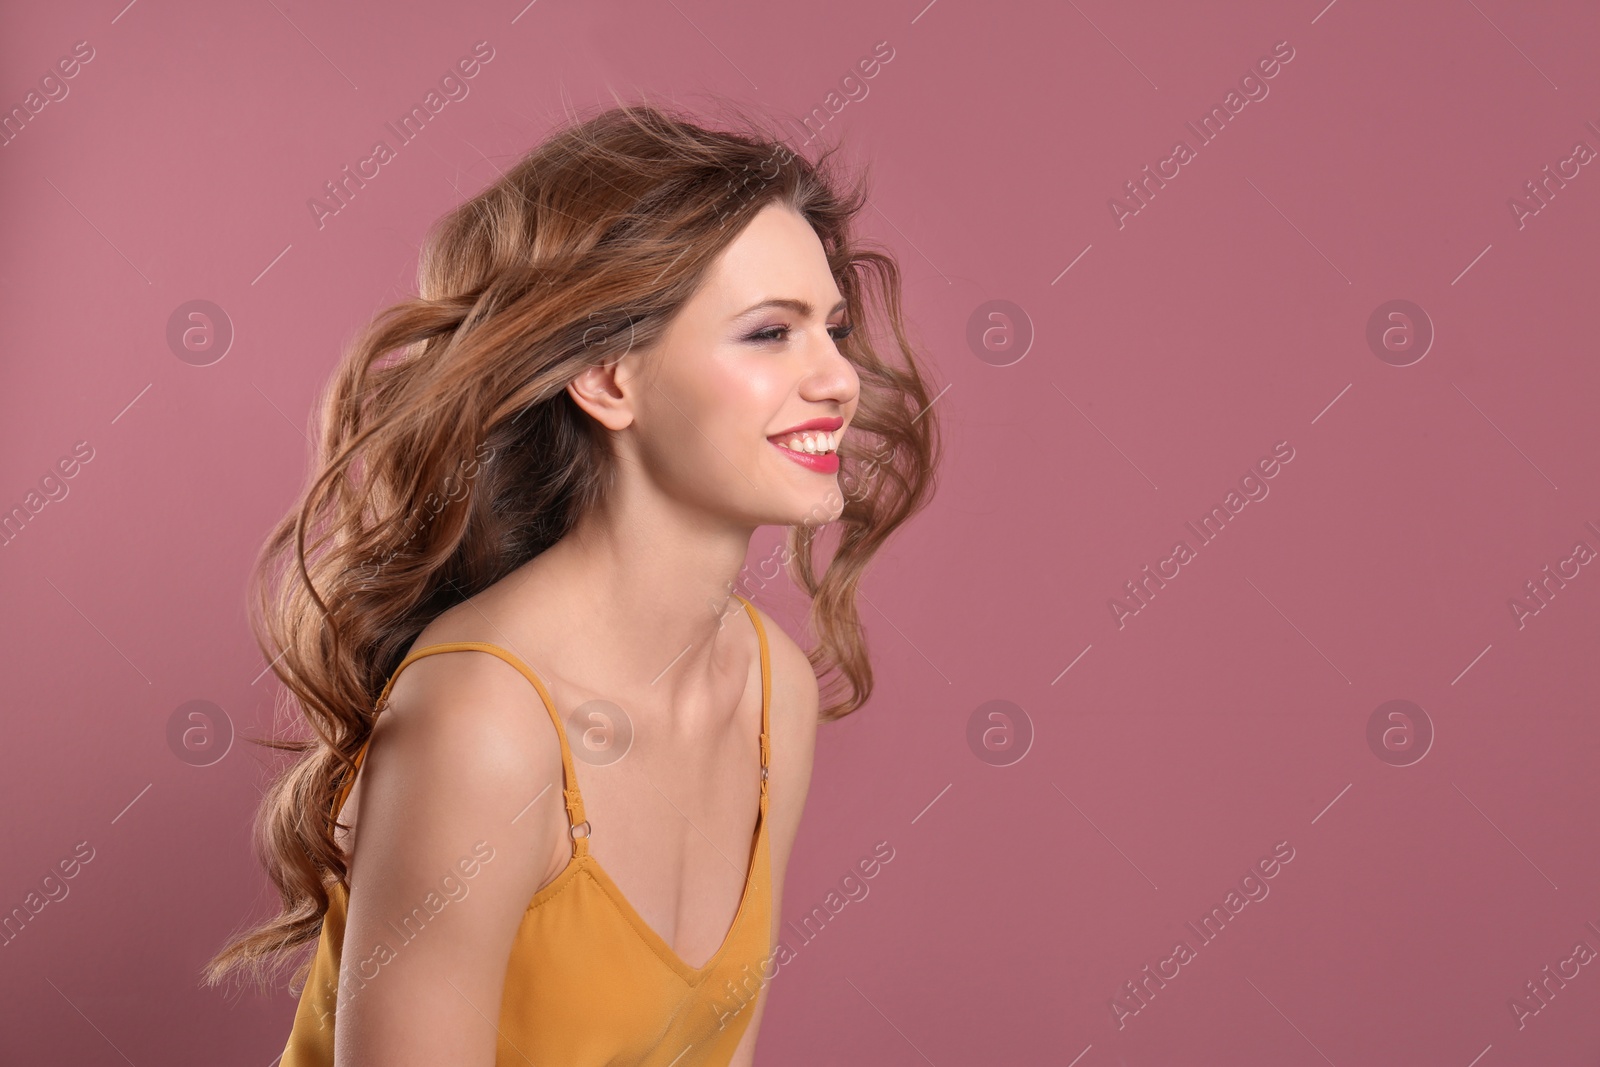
{"x": 605, "y": 392}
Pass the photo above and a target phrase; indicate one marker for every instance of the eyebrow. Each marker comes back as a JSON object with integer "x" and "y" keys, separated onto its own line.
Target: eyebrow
{"x": 800, "y": 307}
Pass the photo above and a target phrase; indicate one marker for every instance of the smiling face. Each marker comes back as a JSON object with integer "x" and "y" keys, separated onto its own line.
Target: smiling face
{"x": 710, "y": 413}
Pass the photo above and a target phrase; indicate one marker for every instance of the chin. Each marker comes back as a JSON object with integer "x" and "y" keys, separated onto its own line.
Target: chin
{"x": 821, "y": 510}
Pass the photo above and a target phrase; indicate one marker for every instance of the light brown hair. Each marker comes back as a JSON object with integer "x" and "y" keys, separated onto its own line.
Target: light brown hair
{"x": 449, "y": 452}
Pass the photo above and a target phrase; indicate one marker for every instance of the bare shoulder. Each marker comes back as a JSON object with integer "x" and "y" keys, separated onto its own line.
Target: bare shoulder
{"x": 465, "y": 742}
{"x": 473, "y": 704}
{"x": 459, "y": 816}
{"x": 794, "y": 739}
{"x": 794, "y": 709}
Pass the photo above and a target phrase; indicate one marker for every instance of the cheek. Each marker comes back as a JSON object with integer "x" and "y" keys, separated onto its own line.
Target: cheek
{"x": 737, "y": 401}
{"x": 713, "y": 411}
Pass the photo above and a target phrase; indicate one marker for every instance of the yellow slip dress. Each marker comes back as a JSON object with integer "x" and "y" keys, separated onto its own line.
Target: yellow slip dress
{"x": 589, "y": 982}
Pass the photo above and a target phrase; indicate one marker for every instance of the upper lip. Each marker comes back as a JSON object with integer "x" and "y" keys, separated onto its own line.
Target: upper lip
{"x": 826, "y": 425}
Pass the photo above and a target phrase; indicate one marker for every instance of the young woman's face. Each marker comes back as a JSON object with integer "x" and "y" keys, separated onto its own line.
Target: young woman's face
{"x": 753, "y": 355}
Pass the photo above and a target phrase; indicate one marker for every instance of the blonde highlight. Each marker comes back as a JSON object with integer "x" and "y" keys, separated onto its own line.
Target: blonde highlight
{"x": 585, "y": 248}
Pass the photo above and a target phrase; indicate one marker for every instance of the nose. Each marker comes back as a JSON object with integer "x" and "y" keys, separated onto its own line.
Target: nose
{"x": 829, "y": 375}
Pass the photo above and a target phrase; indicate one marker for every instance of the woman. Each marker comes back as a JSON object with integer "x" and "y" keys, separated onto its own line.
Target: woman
{"x": 643, "y": 342}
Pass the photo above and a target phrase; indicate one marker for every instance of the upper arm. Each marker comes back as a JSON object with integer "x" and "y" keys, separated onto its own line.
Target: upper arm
{"x": 448, "y": 853}
{"x": 795, "y": 702}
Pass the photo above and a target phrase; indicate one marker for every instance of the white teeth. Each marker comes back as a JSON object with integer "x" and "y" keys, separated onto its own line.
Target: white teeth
{"x": 814, "y": 443}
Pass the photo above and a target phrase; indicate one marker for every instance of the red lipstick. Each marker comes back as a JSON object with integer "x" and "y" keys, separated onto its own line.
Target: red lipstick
{"x": 825, "y": 425}
{"x": 824, "y": 463}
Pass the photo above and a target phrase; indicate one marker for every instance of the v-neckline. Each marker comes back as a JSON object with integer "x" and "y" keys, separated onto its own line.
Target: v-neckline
{"x": 582, "y": 858}
{"x": 692, "y": 975}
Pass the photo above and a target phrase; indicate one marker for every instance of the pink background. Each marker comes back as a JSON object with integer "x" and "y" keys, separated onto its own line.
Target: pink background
{"x": 1229, "y": 314}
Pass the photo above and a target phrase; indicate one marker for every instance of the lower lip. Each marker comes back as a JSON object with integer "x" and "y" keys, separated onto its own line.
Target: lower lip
{"x": 826, "y": 463}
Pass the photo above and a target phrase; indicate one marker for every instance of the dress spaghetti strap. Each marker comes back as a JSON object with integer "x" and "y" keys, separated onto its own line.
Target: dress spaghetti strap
{"x": 766, "y": 692}
{"x": 574, "y": 799}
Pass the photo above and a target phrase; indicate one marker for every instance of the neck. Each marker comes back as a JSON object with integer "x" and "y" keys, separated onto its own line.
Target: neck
{"x": 647, "y": 586}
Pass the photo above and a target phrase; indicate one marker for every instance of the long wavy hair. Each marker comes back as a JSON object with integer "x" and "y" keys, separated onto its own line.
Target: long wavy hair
{"x": 449, "y": 452}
